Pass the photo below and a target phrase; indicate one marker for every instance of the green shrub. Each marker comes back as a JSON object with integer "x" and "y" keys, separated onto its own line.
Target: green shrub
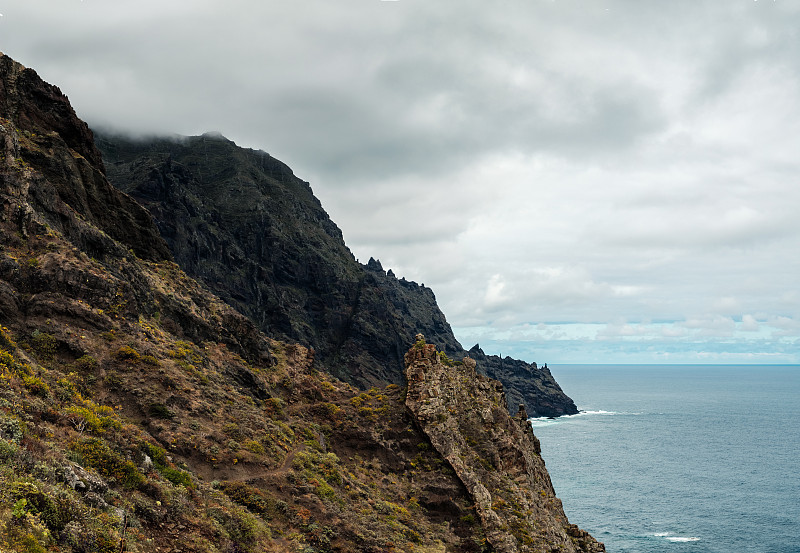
{"x": 11, "y": 429}
{"x": 156, "y": 454}
{"x": 243, "y": 528}
{"x": 177, "y": 476}
{"x": 55, "y": 509}
{"x": 325, "y": 465}
{"x": 113, "y": 382}
{"x": 94, "y": 453}
{"x": 252, "y": 498}
{"x": 44, "y": 344}
{"x": 160, "y": 411}
{"x": 20, "y": 509}
{"x": 446, "y": 360}
{"x": 233, "y": 431}
{"x": 86, "y": 363}
{"x": 128, "y": 354}
{"x": 324, "y": 490}
{"x": 159, "y": 457}
{"x": 8, "y": 450}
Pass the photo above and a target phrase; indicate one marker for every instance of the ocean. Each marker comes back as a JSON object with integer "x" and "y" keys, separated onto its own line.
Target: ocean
{"x": 679, "y": 458}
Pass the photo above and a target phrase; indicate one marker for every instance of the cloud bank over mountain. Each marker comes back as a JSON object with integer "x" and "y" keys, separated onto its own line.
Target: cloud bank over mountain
{"x": 578, "y": 181}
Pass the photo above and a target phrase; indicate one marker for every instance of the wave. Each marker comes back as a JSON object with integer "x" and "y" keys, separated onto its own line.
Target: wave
{"x": 547, "y": 421}
{"x": 675, "y": 539}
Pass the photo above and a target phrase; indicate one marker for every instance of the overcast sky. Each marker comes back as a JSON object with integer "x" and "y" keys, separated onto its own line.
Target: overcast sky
{"x": 599, "y": 181}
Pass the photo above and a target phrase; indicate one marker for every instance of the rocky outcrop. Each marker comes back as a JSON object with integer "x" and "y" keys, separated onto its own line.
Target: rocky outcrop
{"x": 496, "y": 456}
{"x": 240, "y": 221}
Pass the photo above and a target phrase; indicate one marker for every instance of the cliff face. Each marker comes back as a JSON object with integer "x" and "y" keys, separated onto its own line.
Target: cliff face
{"x": 243, "y": 224}
{"x": 70, "y": 187}
{"x": 140, "y": 413}
{"x": 495, "y": 456}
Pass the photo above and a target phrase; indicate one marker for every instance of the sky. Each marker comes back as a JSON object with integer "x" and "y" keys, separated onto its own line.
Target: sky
{"x": 578, "y": 181}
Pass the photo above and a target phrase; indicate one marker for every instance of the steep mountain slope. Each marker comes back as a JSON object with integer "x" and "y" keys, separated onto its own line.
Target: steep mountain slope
{"x": 140, "y": 413}
{"x": 242, "y": 223}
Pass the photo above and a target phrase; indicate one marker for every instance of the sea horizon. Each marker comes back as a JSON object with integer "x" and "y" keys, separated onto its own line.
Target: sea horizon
{"x": 674, "y": 458}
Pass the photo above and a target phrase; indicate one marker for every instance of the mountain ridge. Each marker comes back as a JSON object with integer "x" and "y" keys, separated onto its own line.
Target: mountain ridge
{"x": 241, "y": 222}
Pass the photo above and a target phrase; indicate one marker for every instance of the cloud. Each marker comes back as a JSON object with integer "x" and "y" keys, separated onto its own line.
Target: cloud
{"x": 532, "y": 162}
{"x": 713, "y": 340}
{"x": 494, "y": 298}
{"x": 749, "y": 324}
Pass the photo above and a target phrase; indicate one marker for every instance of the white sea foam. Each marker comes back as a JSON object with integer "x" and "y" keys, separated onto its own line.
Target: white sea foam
{"x": 547, "y": 421}
{"x": 675, "y": 539}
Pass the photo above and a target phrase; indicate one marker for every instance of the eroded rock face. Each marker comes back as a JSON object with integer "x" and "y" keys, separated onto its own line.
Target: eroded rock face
{"x": 496, "y": 456}
{"x": 523, "y": 381}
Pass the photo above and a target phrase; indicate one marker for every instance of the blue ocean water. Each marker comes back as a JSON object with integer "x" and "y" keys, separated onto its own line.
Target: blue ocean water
{"x": 678, "y": 458}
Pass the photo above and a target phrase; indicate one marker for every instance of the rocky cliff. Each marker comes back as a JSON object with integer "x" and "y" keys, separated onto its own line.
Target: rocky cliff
{"x": 255, "y": 234}
{"x": 139, "y": 413}
{"x": 495, "y": 456}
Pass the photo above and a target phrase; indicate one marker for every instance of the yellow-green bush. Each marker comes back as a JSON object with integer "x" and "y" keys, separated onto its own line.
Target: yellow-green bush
{"x": 44, "y": 344}
{"x": 323, "y": 464}
{"x": 6, "y": 339}
{"x": 9, "y": 365}
{"x": 86, "y": 363}
{"x": 36, "y": 386}
{"x": 254, "y": 447}
{"x": 128, "y": 354}
{"x": 92, "y": 417}
{"x": 94, "y": 453}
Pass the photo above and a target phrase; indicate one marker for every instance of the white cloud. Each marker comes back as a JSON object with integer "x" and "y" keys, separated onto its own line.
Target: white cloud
{"x": 749, "y": 324}
{"x": 535, "y": 162}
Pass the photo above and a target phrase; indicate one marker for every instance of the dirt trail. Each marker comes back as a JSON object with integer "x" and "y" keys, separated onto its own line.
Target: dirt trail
{"x": 287, "y": 463}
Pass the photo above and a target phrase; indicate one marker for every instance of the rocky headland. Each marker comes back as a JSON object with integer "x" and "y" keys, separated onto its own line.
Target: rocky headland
{"x": 139, "y": 412}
